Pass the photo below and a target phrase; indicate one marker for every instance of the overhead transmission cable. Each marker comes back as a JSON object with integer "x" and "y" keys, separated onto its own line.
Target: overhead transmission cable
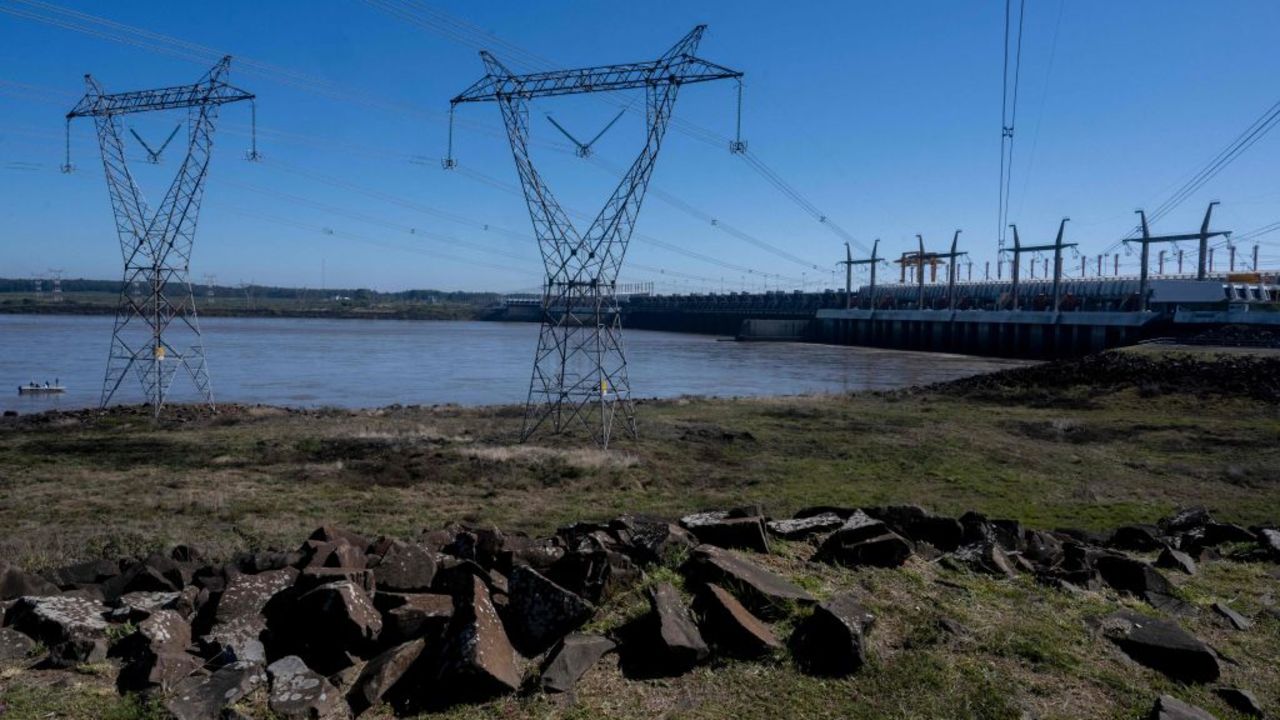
{"x": 1008, "y": 117}
{"x": 1237, "y": 147}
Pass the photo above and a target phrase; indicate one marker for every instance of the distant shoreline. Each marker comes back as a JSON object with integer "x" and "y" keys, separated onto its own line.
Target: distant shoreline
{"x": 417, "y": 312}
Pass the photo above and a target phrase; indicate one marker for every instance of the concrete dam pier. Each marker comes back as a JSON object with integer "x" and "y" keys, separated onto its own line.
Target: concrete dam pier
{"x": 970, "y": 318}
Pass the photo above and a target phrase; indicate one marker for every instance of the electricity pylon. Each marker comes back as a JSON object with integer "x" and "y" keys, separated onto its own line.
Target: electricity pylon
{"x": 579, "y": 370}
{"x": 156, "y": 245}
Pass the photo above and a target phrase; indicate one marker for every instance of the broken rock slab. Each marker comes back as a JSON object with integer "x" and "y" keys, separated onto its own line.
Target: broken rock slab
{"x": 1138, "y": 578}
{"x": 414, "y": 615}
{"x": 864, "y": 541}
{"x": 71, "y": 627}
{"x": 1168, "y": 707}
{"x": 679, "y": 646}
{"x": 1241, "y": 701}
{"x": 382, "y": 673}
{"x": 830, "y": 642}
{"x": 1162, "y": 645}
{"x": 571, "y": 659}
{"x": 731, "y": 627}
{"x": 405, "y": 567}
{"x": 298, "y": 692}
{"x": 919, "y": 525}
{"x": 722, "y": 529}
{"x": 1171, "y": 559}
{"x": 762, "y": 592}
{"x": 201, "y": 698}
{"x": 1238, "y": 621}
{"x": 478, "y": 660}
{"x": 801, "y": 528}
{"x": 16, "y": 583}
{"x": 14, "y": 645}
{"x": 540, "y": 612}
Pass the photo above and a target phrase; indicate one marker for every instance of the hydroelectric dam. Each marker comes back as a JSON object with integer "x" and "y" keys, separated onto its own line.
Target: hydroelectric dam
{"x": 1005, "y": 319}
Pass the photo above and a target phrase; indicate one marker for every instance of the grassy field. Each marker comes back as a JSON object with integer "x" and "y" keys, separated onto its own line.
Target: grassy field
{"x": 74, "y": 486}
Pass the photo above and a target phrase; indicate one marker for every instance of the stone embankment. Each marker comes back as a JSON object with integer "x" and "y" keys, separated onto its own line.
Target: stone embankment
{"x": 345, "y": 623}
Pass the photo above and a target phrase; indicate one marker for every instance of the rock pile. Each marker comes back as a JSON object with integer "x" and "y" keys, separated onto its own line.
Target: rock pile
{"x": 344, "y": 623}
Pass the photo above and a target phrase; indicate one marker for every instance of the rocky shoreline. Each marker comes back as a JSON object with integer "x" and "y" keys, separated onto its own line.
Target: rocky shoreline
{"x": 466, "y": 613}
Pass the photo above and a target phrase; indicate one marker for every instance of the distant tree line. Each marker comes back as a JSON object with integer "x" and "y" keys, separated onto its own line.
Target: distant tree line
{"x": 73, "y": 285}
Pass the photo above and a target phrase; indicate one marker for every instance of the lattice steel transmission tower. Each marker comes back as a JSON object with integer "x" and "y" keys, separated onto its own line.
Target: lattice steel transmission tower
{"x": 156, "y": 245}
{"x": 579, "y": 370}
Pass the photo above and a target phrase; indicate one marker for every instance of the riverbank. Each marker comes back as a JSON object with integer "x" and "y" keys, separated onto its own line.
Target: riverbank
{"x": 1122, "y": 438}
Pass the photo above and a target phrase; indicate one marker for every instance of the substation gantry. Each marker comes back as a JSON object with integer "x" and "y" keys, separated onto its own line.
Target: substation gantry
{"x": 848, "y": 264}
{"x": 156, "y": 245}
{"x": 1056, "y": 246}
{"x": 579, "y": 370}
{"x": 1147, "y": 240}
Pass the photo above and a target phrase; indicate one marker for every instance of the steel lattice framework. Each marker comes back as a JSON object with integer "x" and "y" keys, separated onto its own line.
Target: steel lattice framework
{"x": 579, "y": 370}
{"x": 156, "y": 245}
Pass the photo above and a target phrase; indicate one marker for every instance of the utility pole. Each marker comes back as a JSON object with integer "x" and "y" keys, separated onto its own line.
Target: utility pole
{"x": 156, "y": 244}
{"x": 1255, "y": 257}
{"x": 1056, "y": 246}
{"x": 1160, "y": 263}
{"x": 1147, "y": 240}
{"x": 1231, "y": 261}
{"x": 580, "y": 371}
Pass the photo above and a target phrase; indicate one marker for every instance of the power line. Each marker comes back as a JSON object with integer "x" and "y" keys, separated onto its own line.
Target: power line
{"x": 1008, "y": 117}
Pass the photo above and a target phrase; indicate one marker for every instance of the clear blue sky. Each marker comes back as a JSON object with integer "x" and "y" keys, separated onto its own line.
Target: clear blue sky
{"x": 885, "y": 116}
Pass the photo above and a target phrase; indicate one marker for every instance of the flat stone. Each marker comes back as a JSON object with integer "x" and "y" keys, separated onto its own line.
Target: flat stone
{"x": 762, "y": 592}
{"x": 679, "y": 646}
{"x": 1171, "y": 559}
{"x": 830, "y": 642}
{"x": 1237, "y": 620}
{"x": 202, "y": 698}
{"x": 801, "y": 528}
{"x": 541, "y": 612}
{"x": 1241, "y": 701}
{"x": 14, "y": 645}
{"x": 731, "y": 627}
{"x": 58, "y": 618}
{"x": 405, "y": 567}
{"x": 299, "y": 692}
{"x": 719, "y": 528}
{"x": 1168, "y": 707}
{"x": 1162, "y": 645}
{"x": 478, "y": 660}
{"x": 571, "y": 659}
{"x": 381, "y": 673}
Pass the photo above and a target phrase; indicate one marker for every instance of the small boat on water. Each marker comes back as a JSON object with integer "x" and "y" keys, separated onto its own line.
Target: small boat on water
{"x": 45, "y": 389}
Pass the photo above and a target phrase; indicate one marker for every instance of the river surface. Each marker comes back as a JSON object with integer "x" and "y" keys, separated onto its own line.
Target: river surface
{"x": 373, "y": 363}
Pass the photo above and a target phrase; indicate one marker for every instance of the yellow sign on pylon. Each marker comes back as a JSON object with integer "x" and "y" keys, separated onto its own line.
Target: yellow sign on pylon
{"x": 159, "y": 352}
{"x": 604, "y": 386}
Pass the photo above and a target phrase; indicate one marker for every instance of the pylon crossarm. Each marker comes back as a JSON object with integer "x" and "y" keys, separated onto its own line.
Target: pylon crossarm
{"x": 211, "y": 90}
{"x": 682, "y": 70}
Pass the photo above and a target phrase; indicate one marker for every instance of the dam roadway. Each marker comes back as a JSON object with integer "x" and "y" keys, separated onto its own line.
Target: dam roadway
{"x": 978, "y": 318}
